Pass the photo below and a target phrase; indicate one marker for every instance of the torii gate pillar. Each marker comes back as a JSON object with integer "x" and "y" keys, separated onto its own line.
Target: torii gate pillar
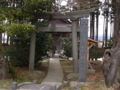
{"x": 32, "y": 48}
{"x": 74, "y": 45}
{"x": 32, "y": 51}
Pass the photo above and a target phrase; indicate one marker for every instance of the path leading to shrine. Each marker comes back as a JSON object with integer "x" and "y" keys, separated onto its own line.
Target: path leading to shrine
{"x": 55, "y": 73}
{"x": 53, "y": 80}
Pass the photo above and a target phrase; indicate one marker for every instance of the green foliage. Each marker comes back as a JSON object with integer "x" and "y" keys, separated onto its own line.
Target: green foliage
{"x": 3, "y": 3}
{"x": 12, "y": 71}
{"x": 41, "y": 6}
{"x": 14, "y": 24}
{"x": 6, "y": 14}
{"x": 118, "y": 80}
{"x": 15, "y": 16}
{"x": 21, "y": 15}
{"x": 2, "y": 28}
{"x": 4, "y": 44}
{"x": 43, "y": 44}
{"x": 96, "y": 53}
{"x": 43, "y": 23}
{"x": 19, "y": 53}
{"x": 67, "y": 46}
{"x": 110, "y": 43}
{"x": 20, "y": 30}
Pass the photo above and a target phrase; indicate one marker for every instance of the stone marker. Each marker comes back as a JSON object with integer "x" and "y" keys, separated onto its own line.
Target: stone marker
{"x": 83, "y": 50}
{"x": 14, "y": 86}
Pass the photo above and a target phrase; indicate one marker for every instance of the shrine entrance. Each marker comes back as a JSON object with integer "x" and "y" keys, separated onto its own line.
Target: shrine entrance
{"x": 83, "y": 29}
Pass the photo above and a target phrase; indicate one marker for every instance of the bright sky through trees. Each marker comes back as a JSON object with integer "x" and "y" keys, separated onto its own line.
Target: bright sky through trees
{"x": 101, "y": 23}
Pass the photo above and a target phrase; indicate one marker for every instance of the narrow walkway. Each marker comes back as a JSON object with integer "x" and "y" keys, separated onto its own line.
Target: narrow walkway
{"x": 53, "y": 78}
{"x": 55, "y": 73}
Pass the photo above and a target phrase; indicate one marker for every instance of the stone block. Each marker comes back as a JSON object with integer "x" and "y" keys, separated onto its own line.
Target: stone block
{"x": 53, "y": 87}
{"x": 25, "y": 83}
{"x": 73, "y": 84}
{"x": 90, "y": 71}
{"x": 65, "y": 83}
{"x": 72, "y": 75}
{"x": 14, "y": 86}
{"x": 35, "y": 81}
{"x": 19, "y": 85}
{"x": 77, "y": 87}
{"x": 59, "y": 86}
{"x": 46, "y": 87}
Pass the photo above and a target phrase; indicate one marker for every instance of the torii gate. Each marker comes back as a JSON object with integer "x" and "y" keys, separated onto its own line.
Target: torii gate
{"x": 73, "y": 16}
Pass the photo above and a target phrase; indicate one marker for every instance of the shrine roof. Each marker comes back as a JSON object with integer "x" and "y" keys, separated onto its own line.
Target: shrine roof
{"x": 91, "y": 41}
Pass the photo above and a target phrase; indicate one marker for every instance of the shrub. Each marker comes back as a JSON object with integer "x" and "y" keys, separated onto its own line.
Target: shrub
{"x": 96, "y": 52}
{"x": 19, "y": 52}
{"x": 67, "y": 46}
{"x": 110, "y": 43}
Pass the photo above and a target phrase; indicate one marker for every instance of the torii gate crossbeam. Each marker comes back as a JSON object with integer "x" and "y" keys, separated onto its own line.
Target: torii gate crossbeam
{"x": 63, "y": 15}
{"x": 68, "y": 15}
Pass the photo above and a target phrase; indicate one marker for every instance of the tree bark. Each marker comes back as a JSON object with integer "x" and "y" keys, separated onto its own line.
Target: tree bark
{"x": 11, "y": 40}
{"x": 106, "y": 28}
{"x": 7, "y": 40}
{"x": 92, "y": 25}
{"x": 0, "y": 39}
{"x": 97, "y": 20}
{"x": 111, "y": 59}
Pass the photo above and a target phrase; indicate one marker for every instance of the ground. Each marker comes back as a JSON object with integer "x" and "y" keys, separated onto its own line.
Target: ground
{"x": 23, "y": 76}
{"x": 96, "y": 77}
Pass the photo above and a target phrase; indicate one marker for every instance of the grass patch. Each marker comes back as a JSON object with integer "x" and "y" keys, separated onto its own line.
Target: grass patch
{"x": 6, "y": 84}
{"x": 96, "y": 77}
{"x": 24, "y": 75}
{"x": 96, "y": 86}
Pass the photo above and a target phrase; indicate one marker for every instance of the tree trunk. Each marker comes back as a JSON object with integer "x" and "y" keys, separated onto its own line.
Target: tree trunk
{"x": 92, "y": 25}
{"x": 11, "y": 40}
{"x": 103, "y": 33}
{"x": 97, "y": 19}
{"x": 106, "y": 28}
{"x": 7, "y": 40}
{"x": 4, "y": 68}
{"x": 0, "y": 39}
{"x": 111, "y": 59}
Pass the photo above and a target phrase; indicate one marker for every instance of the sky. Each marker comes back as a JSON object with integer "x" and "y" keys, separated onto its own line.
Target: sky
{"x": 101, "y": 20}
